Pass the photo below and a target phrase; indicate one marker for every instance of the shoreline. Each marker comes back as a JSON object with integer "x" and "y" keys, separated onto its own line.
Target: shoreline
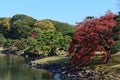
{"x": 66, "y": 71}
{"x": 79, "y": 73}
{"x": 2, "y": 49}
{"x": 89, "y": 72}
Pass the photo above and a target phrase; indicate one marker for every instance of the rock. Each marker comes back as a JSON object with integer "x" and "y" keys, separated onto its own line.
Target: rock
{"x": 68, "y": 72}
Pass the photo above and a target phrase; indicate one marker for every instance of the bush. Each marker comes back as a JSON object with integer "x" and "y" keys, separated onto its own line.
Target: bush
{"x": 3, "y": 40}
{"x": 116, "y": 47}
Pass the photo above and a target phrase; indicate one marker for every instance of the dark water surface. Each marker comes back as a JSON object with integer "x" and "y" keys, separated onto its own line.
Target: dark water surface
{"x": 12, "y": 67}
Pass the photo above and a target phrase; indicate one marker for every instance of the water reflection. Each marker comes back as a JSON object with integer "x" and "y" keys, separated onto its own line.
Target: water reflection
{"x": 12, "y": 68}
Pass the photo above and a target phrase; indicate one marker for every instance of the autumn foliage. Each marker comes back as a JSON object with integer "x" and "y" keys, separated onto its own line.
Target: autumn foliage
{"x": 92, "y": 35}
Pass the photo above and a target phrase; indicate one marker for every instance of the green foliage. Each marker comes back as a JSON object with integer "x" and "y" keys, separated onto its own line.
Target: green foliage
{"x": 3, "y": 40}
{"x": 4, "y": 26}
{"x": 9, "y": 44}
{"x": 117, "y": 18}
{"x": 89, "y": 17}
{"x": 21, "y": 44}
{"x": 44, "y": 25}
{"x": 22, "y": 19}
{"x": 61, "y": 41}
{"x": 44, "y": 42}
{"x": 116, "y": 28}
{"x": 33, "y": 45}
{"x": 6, "y": 23}
{"x": 30, "y": 45}
{"x": 64, "y": 28}
{"x": 116, "y": 47}
{"x": 21, "y": 26}
{"x": 19, "y": 29}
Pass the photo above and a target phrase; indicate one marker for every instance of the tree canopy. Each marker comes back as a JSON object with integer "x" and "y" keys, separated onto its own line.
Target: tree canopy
{"x": 5, "y": 26}
{"x": 21, "y": 26}
{"x": 91, "y": 36}
{"x": 44, "y": 25}
{"x": 64, "y": 28}
{"x": 33, "y": 36}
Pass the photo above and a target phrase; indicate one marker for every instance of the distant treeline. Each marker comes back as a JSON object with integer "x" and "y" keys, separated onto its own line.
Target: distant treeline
{"x": 22, "y": 32}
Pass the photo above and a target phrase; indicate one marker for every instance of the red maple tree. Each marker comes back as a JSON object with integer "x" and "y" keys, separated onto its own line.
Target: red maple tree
{"x": 92, "y": 35}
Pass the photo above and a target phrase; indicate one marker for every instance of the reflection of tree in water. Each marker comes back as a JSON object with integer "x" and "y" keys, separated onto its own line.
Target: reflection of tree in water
{"x": 11, "y": 71}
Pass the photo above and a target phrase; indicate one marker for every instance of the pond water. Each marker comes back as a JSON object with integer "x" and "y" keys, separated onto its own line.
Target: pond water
{"x": 12, "y": 67}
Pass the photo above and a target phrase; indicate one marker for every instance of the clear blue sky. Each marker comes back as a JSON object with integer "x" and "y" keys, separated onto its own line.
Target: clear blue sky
{"x": 70, "y": 11}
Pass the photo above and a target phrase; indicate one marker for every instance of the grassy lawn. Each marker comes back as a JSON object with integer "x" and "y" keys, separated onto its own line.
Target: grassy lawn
{"x": 55, "y": 59}
{"x": 62, "y": 59}
{"x": 113, "y": 64}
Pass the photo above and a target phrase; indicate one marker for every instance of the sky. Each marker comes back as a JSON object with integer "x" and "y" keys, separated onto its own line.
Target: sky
{"x": 69, "y": 11}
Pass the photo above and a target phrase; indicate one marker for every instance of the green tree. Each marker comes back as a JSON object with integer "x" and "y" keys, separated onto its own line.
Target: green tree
{"x": 116, "y": 36}
{"x": 5, "y": 26}
{"x": 64, "y": 28}
{"x": 22, "y": 19}
{"x": 116, "y": 47}
{"x": 45, "y": 40}
{"x": 19, "y": 31}
{"x": 32, "y": 45}
{"x": 9, "y": 43}
{"x": 21, "y": 26}
{"x": 21, "y": 44}
{"x": 3, "y": 40}
{"x": 44, "y": 25}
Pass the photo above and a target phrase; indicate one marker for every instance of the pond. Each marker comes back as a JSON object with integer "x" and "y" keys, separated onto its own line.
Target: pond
{"x": 13, "y": 67}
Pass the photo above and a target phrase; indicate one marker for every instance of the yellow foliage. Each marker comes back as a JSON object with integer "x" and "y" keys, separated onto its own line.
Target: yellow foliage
{"x": 6, "y": 23}
{"x": 44, "y": 25}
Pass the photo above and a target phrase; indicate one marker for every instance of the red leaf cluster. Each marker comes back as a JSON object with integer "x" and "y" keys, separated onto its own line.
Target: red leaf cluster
{"x": 92, "y": 35}
{"x": 33, "y": 35}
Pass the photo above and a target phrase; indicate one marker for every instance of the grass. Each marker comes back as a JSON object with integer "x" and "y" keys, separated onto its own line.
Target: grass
{"x": 113, "y": 65}
{"x": 55, "y": 59}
